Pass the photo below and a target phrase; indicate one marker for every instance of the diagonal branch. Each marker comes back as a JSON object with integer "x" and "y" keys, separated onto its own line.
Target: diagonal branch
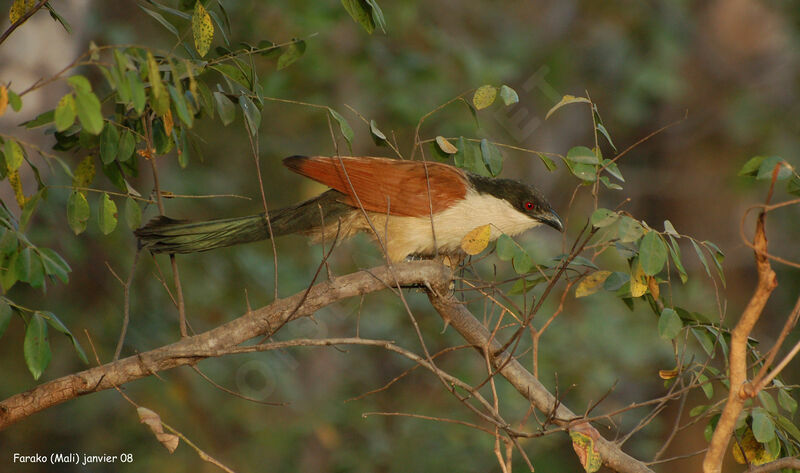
{"x": 188, "y": 351}
{"x": 523, "y": 381}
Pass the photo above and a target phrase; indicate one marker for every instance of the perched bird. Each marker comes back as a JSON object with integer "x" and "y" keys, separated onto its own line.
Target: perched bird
{"x": 415, "y": 208}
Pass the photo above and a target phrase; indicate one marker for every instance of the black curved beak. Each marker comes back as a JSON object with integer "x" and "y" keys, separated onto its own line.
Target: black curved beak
{"x": 552, "y": 219}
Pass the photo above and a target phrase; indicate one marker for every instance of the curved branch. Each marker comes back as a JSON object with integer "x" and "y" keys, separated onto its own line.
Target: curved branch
{"x": 189, "y": 350}
{"x": 712, "y": 463}
{"x": 523, "y": 381}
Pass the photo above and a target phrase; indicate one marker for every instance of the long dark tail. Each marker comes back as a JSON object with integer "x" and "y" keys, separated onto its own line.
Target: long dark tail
{"x": 166, "y": 235}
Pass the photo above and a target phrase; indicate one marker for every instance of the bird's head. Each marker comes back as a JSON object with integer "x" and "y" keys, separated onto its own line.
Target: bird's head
{"x": 523, "y": 198}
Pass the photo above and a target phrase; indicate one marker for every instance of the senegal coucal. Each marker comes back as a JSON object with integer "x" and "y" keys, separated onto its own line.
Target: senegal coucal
{"x": 415, "y": 207}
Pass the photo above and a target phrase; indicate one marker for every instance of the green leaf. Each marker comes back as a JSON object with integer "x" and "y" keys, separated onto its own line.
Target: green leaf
{"x": 79, "y": 83}
{"x": 13, "y": 155}
{"x": 107, "y": 215}
{"x": 701, "y": 256}
{"x": 180, "y": 105}
{"x": 154, "y": 77}
{"x": 54, "y": 15}
{"x": 183, "y": 148}
{"x": 109, "y": 143}
{"x": 8, "y": 275}
{"x": 361, "y": 12}
{"x": 610, "y": 185}
{"x": 548, "y": 163}
{"x": 36, "y": 278}
{"x": 707, "y": 387}
{"x": 292, "y": 53}
{"x": 697, "y": 410}
{"x": 584, "y": 172}
{"x": 787, "y": 401}
{"x": 705, "y": 339}
{"x": 603, "y": 218}
{"x": 5, "y": 316}
{"x": 57, "y": 324}
{"x": 491, "y": 157}
{"x": 373, "y": 128}
{"x": 344, "y": 127}
{"x": 628, "y": 229}
{"x": 77, "y": 212}
{"x": 750, "y": 168}
{"x": 42, "y": 119}
{"x": 377, "y": 15}
{"x": 566, "y": 100}
{"x": 9, "y": 243}
{"x": 763, "y": 428}
{"x": 582, "y": 154}
{"x": 484, "y": 96}
{"x": 54, "y": 264}
{"x": 65, "y": 112}
{"x": 138, "y": 94}
{"x": 163, "y": 21}
{"x": 675, "y": 252}
{"x": 767, "y": 167}
{"x": 88, "y": 107}
{"x": 133, "y": 214}
{"x": 767, "y": 402}
{"x": 613, "y": 169}
{"x": 22, "y": 265}
{"x": 789, "y": 427}
{"x": 652, "y": 253}
{"x": 252, "y": 114}
{"x": 36, "y": 346}
{"x": 616, "y": 280}
{"x": 234, "y": 72}
{"x": 127, "y": 145}
{"x": 522, "y": 262}
{"x": 471, "y": 158}
{"x": 506, "y": 247}
{"x": 669, "y": 324}
{"x": 225, "y": 108}
{"x": 604, "y": 132}
{"x": 14, "y": 100}
{"x": 508, "y": 95}
{"x": 670, "y": 230}
{"x": 793, "y": 186}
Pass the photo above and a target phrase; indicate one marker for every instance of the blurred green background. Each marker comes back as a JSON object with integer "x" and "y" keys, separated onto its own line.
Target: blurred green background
{"x": 730, "y": 67}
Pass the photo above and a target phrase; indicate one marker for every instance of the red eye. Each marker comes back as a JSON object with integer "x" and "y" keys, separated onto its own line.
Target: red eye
{"x": 529, "y": 205}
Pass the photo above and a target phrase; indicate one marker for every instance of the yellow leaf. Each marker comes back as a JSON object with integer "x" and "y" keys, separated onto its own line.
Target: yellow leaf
{"x": 84, "y": 174}
{"x": 19, "y": 8}
{"x": 168, "y": 123}
{"x": 202, "y": 29}
{"x": 667, "y": 374}
{"x": 638, "y": 282}
{"x": 591, "y": 283}
{"x": 566, "y": 100}
{"x": 155, "y": 78}
{"x": 484, "y": 96}
{"x": 3, "y": 99}
{"x": 756, "y": 453}
{"x": 584, "y": 445}
{"x": 16, "y": 184}
{"x": 476, "y": 240}
{"x": 445, "y": 145}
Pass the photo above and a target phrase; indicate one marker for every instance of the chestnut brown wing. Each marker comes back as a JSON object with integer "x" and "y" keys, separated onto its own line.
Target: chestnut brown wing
{"x": 381, "y": 184}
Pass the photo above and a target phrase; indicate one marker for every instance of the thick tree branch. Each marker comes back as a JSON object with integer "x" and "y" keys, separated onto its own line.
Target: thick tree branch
{"x": 252, "y": 324}
{"x": 712, "y": 463}
{"x": 475, "y": 333}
